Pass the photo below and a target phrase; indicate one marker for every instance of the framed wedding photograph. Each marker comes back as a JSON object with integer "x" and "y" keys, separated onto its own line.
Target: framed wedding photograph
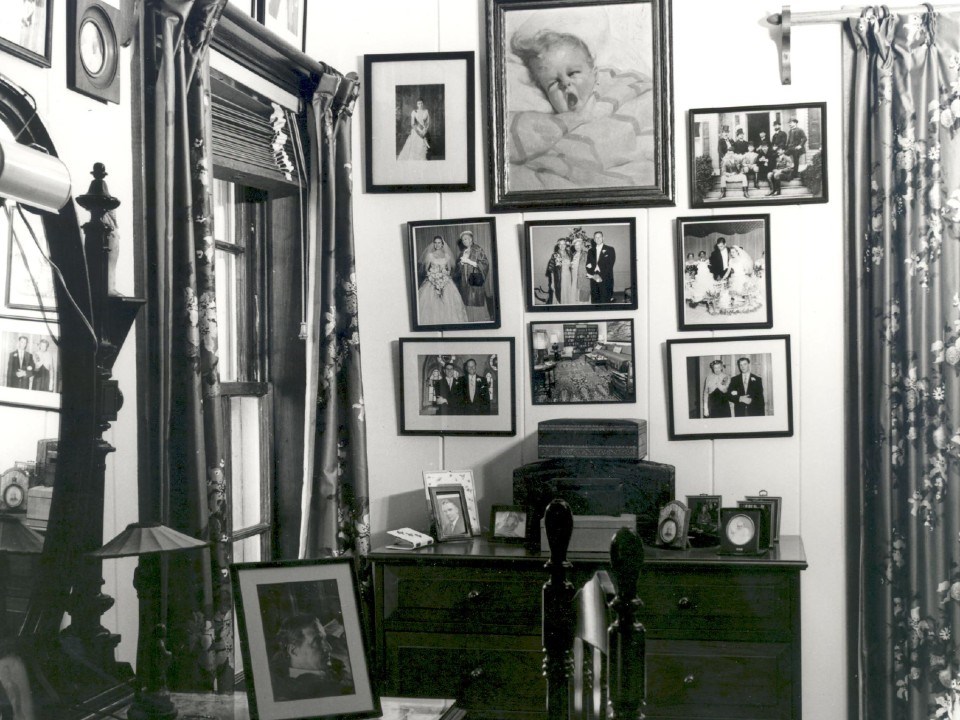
{"x": 603, "y": 140}
{"x": 464, "y": 386}
{"x": 508, "y": 524}
{"x": 450, "y": 518}
{"x": 758, "y": 155}
{"x": 286, "y": 18}
{"x": 27, "y": 277}
{"x": 582, "y": 362}
{"x": 581, "y": 265}
{"x": 454, "y": 277}
{"x": 26, "y": 28}
{"x": 283, "y": 608}
{"x": 419, "y": 122}
{"x": 31, "y": 374}
{"x": 723, "y": 272}
{"x": 463, "y": 478}
{"x": 729, "y": 387}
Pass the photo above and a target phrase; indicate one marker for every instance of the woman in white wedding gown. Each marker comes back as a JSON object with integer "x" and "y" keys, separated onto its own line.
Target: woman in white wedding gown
{"x": 438, "y": 299}
{"x": 741, "y": 280}
{"x": 416, "y": 145}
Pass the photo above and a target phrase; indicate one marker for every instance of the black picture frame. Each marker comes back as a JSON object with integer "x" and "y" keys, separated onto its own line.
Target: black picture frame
{"x": 695, "y": 412}
{"x": 443, "y": 84}
{"x": 293, "y": 28}
{"x": 98, "y": 22}
{"x": 742, "y": 297}
{"x": 583, "y": 362}
{"x": 24, "y": 390}
{"x": 704, "y": 528}
{"x": 704, "y": 128}
{"x": 508, "y": 524}
{"x": 28, "y": 284}
{"x": 421, "y": 413}
{"x": 36, "y": 32}
{"x": 450, "y": 496}
{"x": 625, "y": 162}
{"x": 776, "y": 503}
{"x": 545, "y": 261}
{"x": 430, "y": 307}
{"x": 271, "y": 596}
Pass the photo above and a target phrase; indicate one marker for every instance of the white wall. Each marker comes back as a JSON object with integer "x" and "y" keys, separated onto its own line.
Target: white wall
{"x": 723, "y": 55}
{"x": 86, "y": 131}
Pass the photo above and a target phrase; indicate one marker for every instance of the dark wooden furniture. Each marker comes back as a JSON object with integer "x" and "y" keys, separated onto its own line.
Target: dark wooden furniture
{"x": 580, "y": 336}
{"x": 463, "y": 620}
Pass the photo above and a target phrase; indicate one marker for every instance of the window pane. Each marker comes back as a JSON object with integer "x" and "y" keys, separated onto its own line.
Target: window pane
{"x": 247, "y": 550}
{"x": 245, "y": 461}
{"x": 228, "y": 315}
{"x": 224, "y": 211}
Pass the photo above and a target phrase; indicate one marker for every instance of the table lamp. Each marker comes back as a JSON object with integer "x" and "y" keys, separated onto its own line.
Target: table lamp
{"x": 148, "y": 541}
{"x": 15, "y": 539}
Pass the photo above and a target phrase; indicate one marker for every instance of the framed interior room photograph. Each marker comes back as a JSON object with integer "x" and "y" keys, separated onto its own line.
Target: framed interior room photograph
{"x": 286, "y": 18}
{"x": 723, "y": 272}
{"x": 453, "y": 274}
{"x": 729, "y": 387}
{"x": 463, "y": 478}
{"x": 508, "y": 523}
{"x": 25, "y": 29}
{"x": 450, "y": 516}
{"x": 283, "y": 608}
{"x": 758, "y": 155}
{"x": 26, "y": 274}
{"x": 580, "y": 265}
{"x": 419, "y": 122}
{"x": 604, "y": 139}
{"x": 464, "y": 386}
{"x": 31, "y": 364}
{"x": 580, "y": 362}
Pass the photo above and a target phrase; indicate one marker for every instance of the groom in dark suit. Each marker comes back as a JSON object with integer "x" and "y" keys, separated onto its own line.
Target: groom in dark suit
{"x": 719, "y": 259}
{"x": 746, "y": 392}
{"x": 600, "y": 260}
{"x": 20, "y": 366}
{"x": 443, "y": 391}
{"x": 471, "y": 393}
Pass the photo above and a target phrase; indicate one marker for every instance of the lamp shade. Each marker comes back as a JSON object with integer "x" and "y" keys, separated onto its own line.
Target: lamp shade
{"x": 146, "y": 539}
{"x": 15, "y": 537}
{"x": 33, "y": 177}
{"x": 539, "y": 340}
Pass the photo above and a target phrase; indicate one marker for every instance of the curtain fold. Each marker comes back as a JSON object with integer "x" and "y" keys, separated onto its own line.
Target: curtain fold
{"x": 904, "y": 350}
{"x": 334, "y": 497}
{"x": 186, "y": 433}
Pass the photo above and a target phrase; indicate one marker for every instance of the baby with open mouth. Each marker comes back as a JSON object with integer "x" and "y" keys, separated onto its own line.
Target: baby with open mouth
{"x": 562, "y": 66}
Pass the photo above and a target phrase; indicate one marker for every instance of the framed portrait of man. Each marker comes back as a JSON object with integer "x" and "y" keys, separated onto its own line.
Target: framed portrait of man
{"x": 581, "y": 105}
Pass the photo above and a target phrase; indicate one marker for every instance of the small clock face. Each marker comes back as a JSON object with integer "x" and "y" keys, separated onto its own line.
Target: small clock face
{"x": 668, "y": 530}
{"x": 93, "y": 51}
{"x": 13, "y": 496}
{"x": 740, "y": 530}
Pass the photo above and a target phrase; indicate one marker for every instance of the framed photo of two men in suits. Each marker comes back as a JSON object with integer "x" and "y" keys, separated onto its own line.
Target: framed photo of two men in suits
{"x": 465, "y": 386}
{"x": 729, "y": 387}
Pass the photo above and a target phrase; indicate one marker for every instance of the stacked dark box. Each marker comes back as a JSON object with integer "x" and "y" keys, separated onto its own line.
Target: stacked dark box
{"x": 592, "y": 438}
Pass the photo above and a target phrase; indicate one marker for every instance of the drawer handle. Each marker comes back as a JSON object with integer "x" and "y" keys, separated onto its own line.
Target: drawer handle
{"x": 689, "y": 679}
{"x": 474, "y": 595}
{"x": 685, "y": 603}
{"x": 476, "y": 673}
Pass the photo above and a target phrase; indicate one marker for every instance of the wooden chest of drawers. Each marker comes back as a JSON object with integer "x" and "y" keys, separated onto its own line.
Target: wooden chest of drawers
{"x": 463, "y": 620}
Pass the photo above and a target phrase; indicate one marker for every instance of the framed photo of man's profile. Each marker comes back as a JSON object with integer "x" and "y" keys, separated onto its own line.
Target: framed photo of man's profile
{"x": 295, "y": 618}
{"x": 729, "y": 387}
{"x": 604, "y": 139}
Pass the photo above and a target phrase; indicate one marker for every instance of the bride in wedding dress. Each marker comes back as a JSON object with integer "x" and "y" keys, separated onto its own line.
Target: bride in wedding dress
{"x": 438, "y": 299}
{"x": 416, "y": 146}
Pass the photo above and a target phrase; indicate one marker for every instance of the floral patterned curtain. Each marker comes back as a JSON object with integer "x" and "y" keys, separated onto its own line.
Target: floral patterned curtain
{"x": 186, "y": 438}
{"x": 904, "y": 349}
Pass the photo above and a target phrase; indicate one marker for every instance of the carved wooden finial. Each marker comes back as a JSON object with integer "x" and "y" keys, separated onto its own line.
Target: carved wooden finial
{"x": 626, "y": 557}
{"x": 98, "y": 197}
{"x": 558, "y": 520}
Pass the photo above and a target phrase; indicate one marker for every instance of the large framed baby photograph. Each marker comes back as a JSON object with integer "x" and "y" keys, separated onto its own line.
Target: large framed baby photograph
{"x": 729, "y": 387}
{"x": 581, "y": 104}
{"x": 465, "y": 386}
{"x": 419, "y": 122}
{"x": 453, "y": 274}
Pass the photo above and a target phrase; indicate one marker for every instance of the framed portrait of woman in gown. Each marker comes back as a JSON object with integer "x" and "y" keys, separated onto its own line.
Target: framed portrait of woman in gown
{"x": 453, "y": 274}
{"x": 419, "y": 122}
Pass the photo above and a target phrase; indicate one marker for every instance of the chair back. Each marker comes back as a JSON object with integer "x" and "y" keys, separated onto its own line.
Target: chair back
{"x": 594, "y": 645}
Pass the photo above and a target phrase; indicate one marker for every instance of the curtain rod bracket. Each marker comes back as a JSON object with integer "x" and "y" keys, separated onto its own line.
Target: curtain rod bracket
{"x": 781, "y": 22}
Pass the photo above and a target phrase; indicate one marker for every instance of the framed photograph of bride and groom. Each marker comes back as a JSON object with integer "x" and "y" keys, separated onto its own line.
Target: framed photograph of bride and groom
{"x": 419, "y": 122}
{"x": 580, "y": 265}
{"x": 723, "y": 272}
{"x": 454, "y": 280}
{"x": 758, "y": 155}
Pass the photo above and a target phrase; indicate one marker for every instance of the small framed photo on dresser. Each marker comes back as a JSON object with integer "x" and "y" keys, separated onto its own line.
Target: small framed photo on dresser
{"x": 508, "y": 523}
{"x": 450, "y": 515}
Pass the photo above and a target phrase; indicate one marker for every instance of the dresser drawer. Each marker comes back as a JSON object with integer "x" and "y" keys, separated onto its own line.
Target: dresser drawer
{"x": 716, "y": 601}
{"x": 485, "y": 672}
{"x": 746, "y": 681}
{"x": 461, "y": 599}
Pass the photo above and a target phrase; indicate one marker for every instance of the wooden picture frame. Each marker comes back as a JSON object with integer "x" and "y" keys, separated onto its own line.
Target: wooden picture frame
{"x": 560, "y": 255}
{"x": 28, "y": 286}
{"x": 454, "y": 286}
{"x": 605, "y": 142}
{"x": 736, "y": 182}
{"x": 27, "y": 30}
{"x": 280, "y": 604}
{"x": 450, "y": 516}
{"x": 508, "y": 524}
{"x": 723, "y": 272}
{"x": 463, "y": 478}
{"x": 32, "y": 378}
{"x": 285, "y": 18}
{"x": 707, "y": 400}
{"x": 428, "y": 409}
{"x": 583, "y": 362}
{"x": 419, "y": 122}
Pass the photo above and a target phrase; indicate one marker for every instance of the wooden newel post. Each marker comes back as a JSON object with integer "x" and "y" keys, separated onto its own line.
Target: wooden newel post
{"x": 558, "y": 612}
{"x": 627, "y": 672}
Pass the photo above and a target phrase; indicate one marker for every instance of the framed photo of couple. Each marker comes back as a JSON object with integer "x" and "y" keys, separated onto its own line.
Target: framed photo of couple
{"x": 453, "y": 274}
{"x": 723, "y": 272}
{"x": 729, "y": 387}
{"x": 465, "y": 386}
{"x": 419, "y": 122}
{"x": 603, "y": 139}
